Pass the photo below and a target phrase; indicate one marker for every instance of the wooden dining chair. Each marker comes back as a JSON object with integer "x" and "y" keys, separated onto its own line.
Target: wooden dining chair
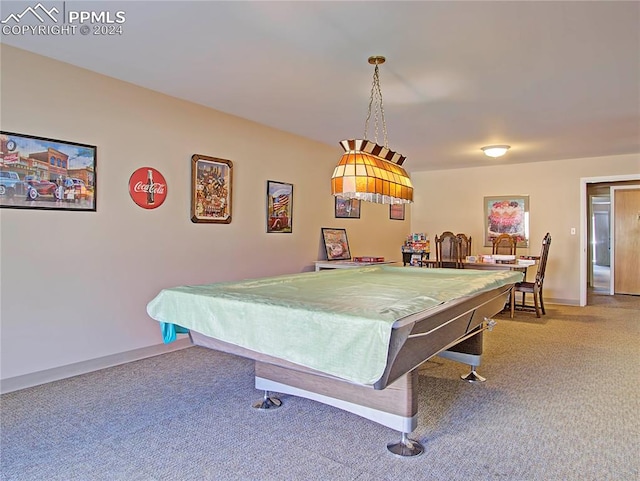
{"x": 448, "y": 251}
{"x": 534, "y": 287}
{"x": 505, "y": 244}
{"x": 465, "y": 245}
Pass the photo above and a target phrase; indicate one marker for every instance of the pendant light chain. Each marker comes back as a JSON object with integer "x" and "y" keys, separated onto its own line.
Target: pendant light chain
{"x": 376, "y": 106}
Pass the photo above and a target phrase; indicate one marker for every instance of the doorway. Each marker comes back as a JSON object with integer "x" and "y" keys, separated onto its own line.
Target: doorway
{"x": 591, "y": 187}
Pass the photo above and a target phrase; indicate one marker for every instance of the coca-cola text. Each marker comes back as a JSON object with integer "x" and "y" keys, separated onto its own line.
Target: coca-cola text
{"x": 156, "y": 188}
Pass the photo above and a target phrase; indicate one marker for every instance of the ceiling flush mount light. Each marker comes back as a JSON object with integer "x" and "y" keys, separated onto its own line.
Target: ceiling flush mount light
{"x": 367, "y": 170}
{"x": 495, "y": 150}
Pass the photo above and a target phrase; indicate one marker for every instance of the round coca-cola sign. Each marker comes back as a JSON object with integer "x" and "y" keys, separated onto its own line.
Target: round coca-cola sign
{"x": 147, "y": 188}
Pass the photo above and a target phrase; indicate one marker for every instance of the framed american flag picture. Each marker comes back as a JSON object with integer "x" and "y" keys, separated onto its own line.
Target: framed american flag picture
{"x": 279, "y": 207}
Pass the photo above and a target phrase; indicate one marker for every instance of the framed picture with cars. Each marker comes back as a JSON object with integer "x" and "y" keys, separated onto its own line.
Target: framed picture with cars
{"x": 47, "y": 174}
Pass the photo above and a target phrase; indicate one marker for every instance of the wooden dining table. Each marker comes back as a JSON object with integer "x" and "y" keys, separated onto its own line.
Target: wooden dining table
{"x": 513, "y": 266}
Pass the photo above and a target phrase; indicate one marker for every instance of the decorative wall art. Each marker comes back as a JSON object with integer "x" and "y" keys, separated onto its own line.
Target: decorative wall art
{"x": 336, "y": 244}
{"x": 506, "y": 215}
{"x": 211, "y": 183}
{"x": 347, "y": 208}
{"x": 279, "y": 207}
{"x": 147, "y": 188}
{"x": 396, "y": 212}
{"x": 47, "y": 174}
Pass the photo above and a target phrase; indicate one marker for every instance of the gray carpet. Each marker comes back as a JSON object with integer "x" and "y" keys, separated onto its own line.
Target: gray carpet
{"x": 560, "y": 403}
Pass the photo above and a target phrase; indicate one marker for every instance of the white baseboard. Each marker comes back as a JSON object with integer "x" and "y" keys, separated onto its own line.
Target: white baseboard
{"x": 562, "y": 302}
{"x": 42, "y": 377}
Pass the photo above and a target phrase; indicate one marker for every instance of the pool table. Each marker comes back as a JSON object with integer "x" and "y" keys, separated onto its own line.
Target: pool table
{"x": 350, "y": 338}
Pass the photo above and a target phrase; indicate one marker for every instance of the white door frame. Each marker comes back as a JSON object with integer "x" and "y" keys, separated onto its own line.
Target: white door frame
{"x": 583, "y": 225}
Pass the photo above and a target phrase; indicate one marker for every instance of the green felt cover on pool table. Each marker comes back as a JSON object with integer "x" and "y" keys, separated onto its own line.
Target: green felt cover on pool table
{"x": 335, "y": 321}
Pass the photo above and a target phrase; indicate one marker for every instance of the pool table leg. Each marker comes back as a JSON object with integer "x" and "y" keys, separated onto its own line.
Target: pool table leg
{"x": 267, "y": 402}
{"x": 406, "y": 447}
{"x": 469, "y": 352}
{"x": 473, "y": 376}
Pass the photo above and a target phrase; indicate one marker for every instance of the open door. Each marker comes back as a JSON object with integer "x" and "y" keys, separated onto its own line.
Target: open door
{"x": 626, "y": 240}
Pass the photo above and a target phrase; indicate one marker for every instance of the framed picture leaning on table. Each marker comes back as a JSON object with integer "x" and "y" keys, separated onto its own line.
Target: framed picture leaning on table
{"x": 336, "y": 244}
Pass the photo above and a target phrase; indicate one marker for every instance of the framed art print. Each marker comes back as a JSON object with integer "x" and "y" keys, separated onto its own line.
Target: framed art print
{"x": 396, "y": 212}
{"x": 46, "y": 174}
{"x": 507, "y": 214}
{"x": 211, "y": 186}
{"x": 347, "y": 208}
{"x": 279, "y": 207}
{"x": 336, "y": 244}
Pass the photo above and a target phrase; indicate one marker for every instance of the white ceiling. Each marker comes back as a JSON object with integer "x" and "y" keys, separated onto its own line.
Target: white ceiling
{"x": 555, "y": 80}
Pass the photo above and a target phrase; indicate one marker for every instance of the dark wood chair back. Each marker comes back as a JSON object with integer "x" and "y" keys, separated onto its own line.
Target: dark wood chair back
{"x": 534, "y": 287}
{"x": 542, "y": 266}
{"x": 448, "y": 250}
{"x": 465, "y": 245}
{"x": 505, "y": 244}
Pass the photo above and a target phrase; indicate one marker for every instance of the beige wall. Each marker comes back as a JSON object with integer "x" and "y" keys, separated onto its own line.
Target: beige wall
{"x": 453, "y": 200}
{"x": 74, "y": 285}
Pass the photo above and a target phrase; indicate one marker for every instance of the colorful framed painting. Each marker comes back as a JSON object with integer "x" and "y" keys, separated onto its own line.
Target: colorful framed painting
{"x": 279, "y": 207}
{"x": 347, "y": 208}
{"x": 211, "y": 189}
{"x": 506, "y": 215}
{"x": 46, "y": 174}
{"x": 396, "y": 212}
{"x": 336, "y": 244}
